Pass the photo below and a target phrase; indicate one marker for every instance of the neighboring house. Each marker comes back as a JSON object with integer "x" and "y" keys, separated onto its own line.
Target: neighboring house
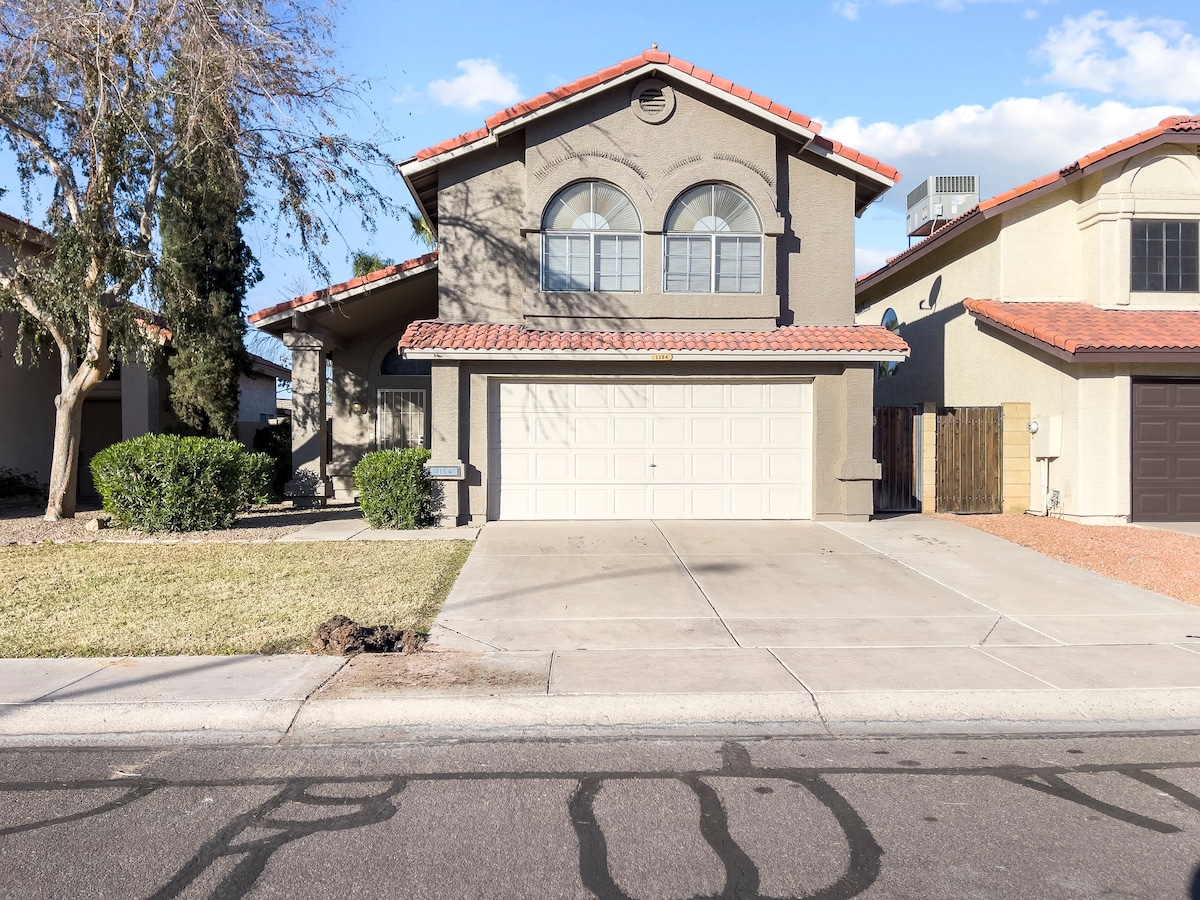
{"x": 1072, "y": 300}
{"x": 130, "y": 402}
{"x": 641, "y": 306}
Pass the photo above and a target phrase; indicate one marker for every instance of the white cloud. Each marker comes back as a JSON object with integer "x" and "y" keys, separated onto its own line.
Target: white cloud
{"x": 868, "y": 259}
{"x": 847, "y": 9}
{"x": 1006, "y": 144}
{"x": 481, "y": 83}
{"x": 1143, "y": 59}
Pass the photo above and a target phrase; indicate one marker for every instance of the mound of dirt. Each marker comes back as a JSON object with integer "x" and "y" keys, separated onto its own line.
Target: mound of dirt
{"x": 342, "y": 635}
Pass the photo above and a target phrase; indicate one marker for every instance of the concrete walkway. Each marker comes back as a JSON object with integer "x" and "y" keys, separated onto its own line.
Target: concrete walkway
{"x": 904, "y": 625}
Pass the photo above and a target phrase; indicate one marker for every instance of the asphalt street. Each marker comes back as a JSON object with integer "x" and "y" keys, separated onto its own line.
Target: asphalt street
{"x": 818, "y": 818}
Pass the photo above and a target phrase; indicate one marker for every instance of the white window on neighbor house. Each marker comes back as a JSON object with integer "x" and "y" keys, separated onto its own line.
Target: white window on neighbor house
{"x": 713, "y": 243}
{"x": 591, "y": 240}
{"x": 400, "y": 419}
{"x": 1165, "y": 256}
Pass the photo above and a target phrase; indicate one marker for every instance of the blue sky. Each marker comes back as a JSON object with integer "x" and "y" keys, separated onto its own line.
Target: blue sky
{"x": 1006, "y": 90}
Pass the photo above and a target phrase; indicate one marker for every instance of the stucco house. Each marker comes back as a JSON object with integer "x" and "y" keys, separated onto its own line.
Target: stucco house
{"x": 1071, "y": 301}
{"x": 132, "y": 401}
{"x": 641, "y": 306}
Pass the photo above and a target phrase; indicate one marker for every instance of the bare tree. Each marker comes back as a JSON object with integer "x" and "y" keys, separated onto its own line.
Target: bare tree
{"x": 103, "y": 98}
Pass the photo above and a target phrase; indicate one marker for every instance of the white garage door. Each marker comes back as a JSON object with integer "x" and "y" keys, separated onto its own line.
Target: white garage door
{"x": 671, "y": 450}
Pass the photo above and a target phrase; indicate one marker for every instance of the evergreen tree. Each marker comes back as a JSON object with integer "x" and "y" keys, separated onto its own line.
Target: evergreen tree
{"x": 204, "y": 274}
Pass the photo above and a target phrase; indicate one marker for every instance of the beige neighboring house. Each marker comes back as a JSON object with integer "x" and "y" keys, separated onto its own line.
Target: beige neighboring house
{"x": 641, "y": 307}
{"x": 1071, "y": 301}
{"x": 132, "y": 401}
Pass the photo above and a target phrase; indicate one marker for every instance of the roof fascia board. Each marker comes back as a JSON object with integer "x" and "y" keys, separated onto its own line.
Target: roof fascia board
{"x": 1024, "y": 338}
{"x": 648, "y": 355}
{"x": 882, "y": 180}
{"x": 420, "y": 206}
{"x": 805, "y": 135}
{"x": 343, "y": 296}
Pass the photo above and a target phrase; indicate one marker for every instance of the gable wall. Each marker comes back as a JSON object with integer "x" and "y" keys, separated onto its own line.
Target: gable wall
{"x": 490, "y": 205}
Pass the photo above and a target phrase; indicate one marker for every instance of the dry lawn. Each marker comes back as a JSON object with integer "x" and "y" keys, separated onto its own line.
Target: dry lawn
{"x": 1162, "y": 561}
{"x": 159, "y": 599}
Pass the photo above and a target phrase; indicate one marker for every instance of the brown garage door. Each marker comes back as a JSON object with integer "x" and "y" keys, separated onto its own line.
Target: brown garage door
{"x": 1165, "y": 471}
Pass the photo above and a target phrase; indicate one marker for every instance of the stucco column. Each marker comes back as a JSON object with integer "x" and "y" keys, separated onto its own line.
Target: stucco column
{"x": 310, "y": 484}
{"x": 444, "y": 444}
{"x": 139, "y": 399}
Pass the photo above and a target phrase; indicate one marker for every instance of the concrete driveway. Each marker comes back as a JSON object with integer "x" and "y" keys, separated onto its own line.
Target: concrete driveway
{"x": 911, "y": 603}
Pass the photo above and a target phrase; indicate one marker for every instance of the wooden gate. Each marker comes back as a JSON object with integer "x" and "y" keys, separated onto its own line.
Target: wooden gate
{"x": 968, "y": 459}
{"x": 898, "y": 487}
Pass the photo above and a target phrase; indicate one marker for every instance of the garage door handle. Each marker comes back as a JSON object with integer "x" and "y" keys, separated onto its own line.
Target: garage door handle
{"x": 654, "y": 465}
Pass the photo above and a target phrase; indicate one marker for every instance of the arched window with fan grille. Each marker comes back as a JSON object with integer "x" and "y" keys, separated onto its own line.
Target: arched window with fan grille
{"x": 713, "y": 243}
{"x": 591, "y": 240}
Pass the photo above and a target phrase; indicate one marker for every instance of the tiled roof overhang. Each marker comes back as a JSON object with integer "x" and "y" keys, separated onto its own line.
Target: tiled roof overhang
{"x": 420, "y": 171}
{"x": 347, "y": 290}
{"x": 1176, "y": 129}
{"x": 1080, "y": 332}
{"x": 440, "y": 340}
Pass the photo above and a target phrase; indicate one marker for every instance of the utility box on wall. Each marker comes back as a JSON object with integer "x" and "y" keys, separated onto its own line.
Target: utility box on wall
{"x": 1046, "y": 436}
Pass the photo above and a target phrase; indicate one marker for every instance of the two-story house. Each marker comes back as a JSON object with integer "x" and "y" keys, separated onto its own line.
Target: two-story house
{"x": 641, "y": 306}
{"x": 1071, "y": 303}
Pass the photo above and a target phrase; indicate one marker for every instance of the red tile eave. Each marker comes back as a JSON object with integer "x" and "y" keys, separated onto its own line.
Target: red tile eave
{"x": 1172, "y": 125}
{"x": 431, "y": 335}
{"x": 1083, "y": 328}
{"x": 662, "y": 58}
{"x": 335, "y": 289}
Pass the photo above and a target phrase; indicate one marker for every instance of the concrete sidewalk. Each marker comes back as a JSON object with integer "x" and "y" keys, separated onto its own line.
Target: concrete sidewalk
{"x": 899, "y": 626}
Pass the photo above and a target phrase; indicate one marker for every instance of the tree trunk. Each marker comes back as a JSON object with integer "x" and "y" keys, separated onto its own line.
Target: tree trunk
{"x": 64, "y": 466}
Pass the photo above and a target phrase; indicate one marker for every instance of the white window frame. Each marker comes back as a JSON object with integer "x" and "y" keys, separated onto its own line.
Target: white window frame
{"x": 422, "y": 405}
{"x": 593, "y": 258}
{"x": 711, "y": 237}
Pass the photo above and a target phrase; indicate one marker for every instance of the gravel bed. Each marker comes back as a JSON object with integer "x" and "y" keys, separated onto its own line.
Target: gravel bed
{"x": 1162, "y": 561}
{"x": 25, "y": 525}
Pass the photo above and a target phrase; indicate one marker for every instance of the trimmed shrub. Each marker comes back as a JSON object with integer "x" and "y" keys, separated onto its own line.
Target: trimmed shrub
{"x": 394, "y": 490}
{"x": 163, "y": 482}
{"x": 276, "y": 441}
{"x": 17, "y": 484}
{"x": 258, "y": 479}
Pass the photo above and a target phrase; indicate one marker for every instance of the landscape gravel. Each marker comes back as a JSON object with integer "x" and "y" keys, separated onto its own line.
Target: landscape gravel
{"x": 1162, "y": 561}
{"x": 24, "y": 525}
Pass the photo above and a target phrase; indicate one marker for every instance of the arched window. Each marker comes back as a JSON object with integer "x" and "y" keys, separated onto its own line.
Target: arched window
{"x": 591, "y": 240}
{"x": 891, "y": 322}
{"x": 713, "y": 243}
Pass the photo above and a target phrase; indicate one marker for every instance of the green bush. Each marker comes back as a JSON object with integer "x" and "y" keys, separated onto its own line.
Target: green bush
{"x": 258, "y": 479}
{"x": 276, "y": 441}
{"x": 163, "y": 482}
{"x": 394, "y": 490}
{"x": 17, "y": 484}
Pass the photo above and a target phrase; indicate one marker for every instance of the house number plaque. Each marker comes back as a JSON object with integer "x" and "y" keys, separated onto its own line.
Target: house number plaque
{"x": 661, "y": 357}
{"x": 451, "y": 473}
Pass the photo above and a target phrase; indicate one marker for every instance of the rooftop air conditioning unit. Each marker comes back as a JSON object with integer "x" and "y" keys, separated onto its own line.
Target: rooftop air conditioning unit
{"x": 939, "y": 199}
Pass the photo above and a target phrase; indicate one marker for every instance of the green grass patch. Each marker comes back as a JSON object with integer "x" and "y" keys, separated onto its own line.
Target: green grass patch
{"x": 106, "y": 599}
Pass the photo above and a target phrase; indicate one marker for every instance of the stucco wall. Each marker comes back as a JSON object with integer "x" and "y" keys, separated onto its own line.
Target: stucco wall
{"x": 26, "y": 406}
{"x": 490, "y": 206}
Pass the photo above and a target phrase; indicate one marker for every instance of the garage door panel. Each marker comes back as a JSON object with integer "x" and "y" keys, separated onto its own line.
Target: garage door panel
{"x": 1155, "y": 432}
{"x": 591, "y": 467}
{"x": 592, "y": 431}
{"x": 708, "y": 431}
{"x": 1187, "y": 467}
{"x": 709, "y": 467}
{"x": 636, "y": 450}
{"x": 1187, "y": 396}
{"x": 1187, "y": 432}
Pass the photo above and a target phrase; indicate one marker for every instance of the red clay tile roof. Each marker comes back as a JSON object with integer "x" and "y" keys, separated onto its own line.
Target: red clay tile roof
{"x": 429, "y": 335}
{"x": 1171, "y": 125}
{"x": 662, "y": 58}
{"x": 1080, "y": 327}
{"x": 335, "y": 289}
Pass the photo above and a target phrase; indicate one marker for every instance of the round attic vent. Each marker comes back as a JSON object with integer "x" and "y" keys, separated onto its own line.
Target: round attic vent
{"x": 653, "y": 101}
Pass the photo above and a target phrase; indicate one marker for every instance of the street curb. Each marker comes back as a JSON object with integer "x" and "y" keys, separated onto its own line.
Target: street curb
{"x": 382, "y": 718}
